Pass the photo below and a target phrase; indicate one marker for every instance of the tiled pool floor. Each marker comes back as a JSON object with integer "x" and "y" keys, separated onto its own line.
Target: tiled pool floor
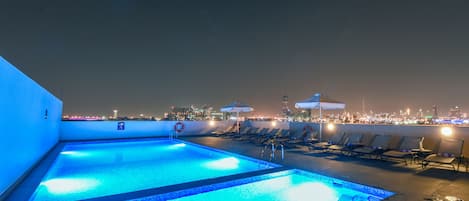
{"x": 409, "y": 182}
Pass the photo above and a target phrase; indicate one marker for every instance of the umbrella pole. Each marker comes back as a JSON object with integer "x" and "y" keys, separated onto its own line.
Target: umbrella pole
{"x": 237, "y": 121}
{"x": 320, "y": 123}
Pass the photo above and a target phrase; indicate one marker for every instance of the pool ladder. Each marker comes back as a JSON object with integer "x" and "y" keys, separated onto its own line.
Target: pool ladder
{"x": 273, "y": 148}
{"x": 172, "y": 135}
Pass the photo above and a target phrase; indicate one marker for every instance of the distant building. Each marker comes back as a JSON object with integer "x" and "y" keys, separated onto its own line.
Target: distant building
{"x": 455, "y": 112}
{"x": 191, "y": 113}
{"x": 179, "y": 113}
{"x": 115, "y": 114}
{"x": 202, "y": 113}
{"x": 217, "y": 116}
{"x": 420, "y": 113}
{"x": 435, "y": 112}
{"x": 285, "y": 109}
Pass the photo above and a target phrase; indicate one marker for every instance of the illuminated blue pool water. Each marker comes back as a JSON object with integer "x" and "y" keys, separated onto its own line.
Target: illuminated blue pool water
{"x": 90, "y": 170}
{"x": 292, "y": 185}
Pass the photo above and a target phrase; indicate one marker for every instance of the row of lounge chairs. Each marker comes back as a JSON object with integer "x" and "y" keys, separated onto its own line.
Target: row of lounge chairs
{"x": 448, "y": 151}
{"x": 259, "y": 136}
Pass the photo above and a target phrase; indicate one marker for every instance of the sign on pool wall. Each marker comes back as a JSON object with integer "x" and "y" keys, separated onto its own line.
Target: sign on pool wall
{"x": 120, "y": 125}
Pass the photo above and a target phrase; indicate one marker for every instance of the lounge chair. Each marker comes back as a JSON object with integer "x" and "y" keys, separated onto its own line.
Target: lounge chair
{"x": 408, "y": 148}
{"x": 249, "y": 134}
{"x": 311, "y": 137}
{"x": 336, "y": 139}
{"x": 379, "y": 144}
{"x": 351, "y": 142}
{"x": 265, "y": 137}
{"x": 225, "y": 131}
{"x": 243, "y": 131}
{"x": 282, "y": 135}
{"x": 306, "y": 138}
{"x": 449, "y": 152}
{"x": 270, "y": 137}
{"x": 258, "y": 134}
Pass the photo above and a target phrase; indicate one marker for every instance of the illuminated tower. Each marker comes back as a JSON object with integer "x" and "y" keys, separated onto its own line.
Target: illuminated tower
{"x": 115, "y": 114}
{"x": 285, "y": 110}
{"x": 435, "y": 112}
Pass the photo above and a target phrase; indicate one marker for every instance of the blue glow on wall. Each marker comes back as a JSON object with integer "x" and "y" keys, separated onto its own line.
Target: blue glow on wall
{"x": 29, "y": 123}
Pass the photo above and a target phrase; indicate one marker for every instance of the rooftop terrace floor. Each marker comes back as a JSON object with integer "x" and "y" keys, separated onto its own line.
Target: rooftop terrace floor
{"x": 409, "y": 182}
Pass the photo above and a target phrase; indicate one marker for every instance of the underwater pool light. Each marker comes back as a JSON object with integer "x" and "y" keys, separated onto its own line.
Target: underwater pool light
{"x": 304, "y": 191}
{"x": 177, "y": 146}
{"x": 69, "y": 185}
{"x": 224, "y": 164}
{"x": 74, "y": 153}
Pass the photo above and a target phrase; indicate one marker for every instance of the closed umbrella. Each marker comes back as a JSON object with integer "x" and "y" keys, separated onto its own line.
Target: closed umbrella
{"x": 237, "y": 107}
{"x": 320, "y": 102}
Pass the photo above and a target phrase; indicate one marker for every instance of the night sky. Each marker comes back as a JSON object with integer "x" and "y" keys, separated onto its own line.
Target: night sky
{"x": 145, "y": 56}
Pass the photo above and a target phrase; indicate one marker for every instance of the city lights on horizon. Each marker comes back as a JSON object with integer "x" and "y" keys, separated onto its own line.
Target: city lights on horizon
{"x": 402, "y": 117}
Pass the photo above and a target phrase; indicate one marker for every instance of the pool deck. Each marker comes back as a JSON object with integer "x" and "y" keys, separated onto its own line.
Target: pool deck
{"x": 409, "y": 182}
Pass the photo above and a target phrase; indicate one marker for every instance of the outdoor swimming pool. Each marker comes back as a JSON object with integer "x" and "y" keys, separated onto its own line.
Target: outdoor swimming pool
{"x": 176, "y": 170}
{"x": 89, "y": 170}
{"x": 291, "y": 185}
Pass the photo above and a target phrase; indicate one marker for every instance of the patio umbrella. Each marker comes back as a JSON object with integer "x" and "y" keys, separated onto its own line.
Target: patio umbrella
{"x": 320, "y": 102}
{"x": 237, "y": 107}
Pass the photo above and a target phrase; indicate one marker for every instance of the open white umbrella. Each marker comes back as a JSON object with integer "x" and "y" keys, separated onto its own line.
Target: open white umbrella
{"x": 237, "y": 107}
{"x": 320, "y": 102}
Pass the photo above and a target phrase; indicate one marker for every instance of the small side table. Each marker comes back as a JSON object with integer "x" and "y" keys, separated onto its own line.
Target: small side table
{"x": 421, "y": 153}
{"x": 465, "y": 162}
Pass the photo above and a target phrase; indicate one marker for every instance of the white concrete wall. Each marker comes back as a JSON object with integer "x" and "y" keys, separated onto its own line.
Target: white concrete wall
{"x": 25, "y": 134}
{"x": 267, "y": 124}
{"x": 95, "y": 130}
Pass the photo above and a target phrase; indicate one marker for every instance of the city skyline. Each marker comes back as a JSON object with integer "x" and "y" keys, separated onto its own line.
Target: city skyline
{"x": 144, "y": 57}
{"x": 410, "y": 112}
